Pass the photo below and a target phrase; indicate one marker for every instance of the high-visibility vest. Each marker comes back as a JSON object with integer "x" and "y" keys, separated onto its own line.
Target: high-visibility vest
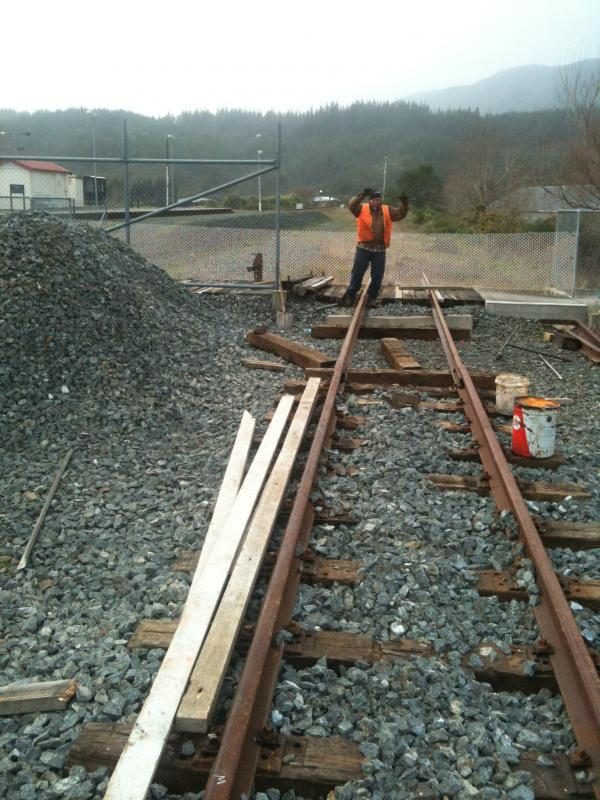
{"x": 364, "y": 225}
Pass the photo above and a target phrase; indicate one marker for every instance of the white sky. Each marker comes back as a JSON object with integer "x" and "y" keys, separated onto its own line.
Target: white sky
{"x": 166, "y": 57}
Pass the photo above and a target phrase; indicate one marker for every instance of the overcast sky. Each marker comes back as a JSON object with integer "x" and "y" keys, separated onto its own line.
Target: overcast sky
{"x": 168, "y": 57}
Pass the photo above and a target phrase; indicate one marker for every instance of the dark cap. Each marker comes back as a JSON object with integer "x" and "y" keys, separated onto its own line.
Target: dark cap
{"x": 373, "y": 195}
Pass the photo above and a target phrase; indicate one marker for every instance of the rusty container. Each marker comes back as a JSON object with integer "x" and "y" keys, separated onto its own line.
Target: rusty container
{"x": 534, "y": 427}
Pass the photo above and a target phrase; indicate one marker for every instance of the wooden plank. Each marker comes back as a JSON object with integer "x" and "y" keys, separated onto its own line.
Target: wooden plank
{"x": 137, "y": 765}
{"x": 405, "y": 377}
{"x": 200, "y": 698}
{"x": 292, "y": 351}
{"x": 425, "y": 322}
{"x": 255, "y": 363}
{"x": 575, "y": 535}
{"x": 24, "y": 697}
{"x": 232, "y": 479}
{"x": 312, "y": 285}
{"x": 397, "y": 356}
{"x": 415, "y": 327}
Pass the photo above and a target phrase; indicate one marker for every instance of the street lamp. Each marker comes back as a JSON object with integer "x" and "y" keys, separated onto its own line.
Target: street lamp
{"x": 169, "y": 184}
{"x": 259, "y": 153}
{"x": 93, "y": 121}
{"x": 385, "y": 160}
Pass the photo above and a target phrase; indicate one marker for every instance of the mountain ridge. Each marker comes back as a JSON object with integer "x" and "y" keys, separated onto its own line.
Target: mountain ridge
{"x": 530, "y": 87}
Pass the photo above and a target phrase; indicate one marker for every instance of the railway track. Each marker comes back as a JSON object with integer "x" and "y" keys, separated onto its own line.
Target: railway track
{"x": 250, "y": 750}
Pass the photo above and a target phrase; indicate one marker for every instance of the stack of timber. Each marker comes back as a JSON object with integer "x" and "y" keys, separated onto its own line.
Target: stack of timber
{"x": 417, "y": 296}
{"x": 577, "y": 336}
{"x": 336, "y": 327}
{"x": 312, "y": 285}
{"x": 228, "y": 566}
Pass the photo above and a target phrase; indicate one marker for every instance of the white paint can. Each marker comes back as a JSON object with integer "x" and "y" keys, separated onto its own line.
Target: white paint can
{"x": 509, "y": 386}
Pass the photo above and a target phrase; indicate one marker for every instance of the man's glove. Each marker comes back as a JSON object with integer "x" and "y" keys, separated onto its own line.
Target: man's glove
{"x": 403, "y": 199}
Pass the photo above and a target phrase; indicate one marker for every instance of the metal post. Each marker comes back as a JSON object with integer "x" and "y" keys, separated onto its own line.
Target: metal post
{"x": 577, "y": 224}
{"x": 126, "y": 183}
{"x": 93, "y": 116}
{"x": 168, "y": 171}
{"x": 259, "y": 184}
{"x": 385, "y": 160}
{"x": 172, "y": 166}
{"x": 278, "y": 209}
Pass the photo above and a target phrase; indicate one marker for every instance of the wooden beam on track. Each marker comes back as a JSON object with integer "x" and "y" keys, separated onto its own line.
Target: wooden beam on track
{"x": 291, "y": 351}
{"x": 336, "y": 326}
{"x": 396, "y": 354}
{"x": 136, "y": 767}
{"x": 198, "y": 703}
{"x": 404, "y": 377}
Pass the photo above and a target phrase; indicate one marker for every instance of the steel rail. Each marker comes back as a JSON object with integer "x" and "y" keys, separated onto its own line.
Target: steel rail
{"x": 233, "y": 770}
{"x": 575, "y": 672}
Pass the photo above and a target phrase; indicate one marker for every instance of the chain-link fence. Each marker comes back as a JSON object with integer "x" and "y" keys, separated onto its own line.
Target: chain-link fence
{"x": 216, "y": 252}
{"x": 204, "y": 241}
{"x": 588, "y": 252}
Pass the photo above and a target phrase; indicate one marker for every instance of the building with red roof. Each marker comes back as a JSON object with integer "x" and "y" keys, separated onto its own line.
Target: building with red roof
{"x": 36, "y": 185}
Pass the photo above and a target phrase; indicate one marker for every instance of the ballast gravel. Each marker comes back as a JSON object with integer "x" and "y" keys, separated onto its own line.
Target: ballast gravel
{"x": 101, "y": 352}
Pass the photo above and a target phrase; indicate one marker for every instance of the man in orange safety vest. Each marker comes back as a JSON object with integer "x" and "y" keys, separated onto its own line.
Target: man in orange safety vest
{"x": 374, "y": 233}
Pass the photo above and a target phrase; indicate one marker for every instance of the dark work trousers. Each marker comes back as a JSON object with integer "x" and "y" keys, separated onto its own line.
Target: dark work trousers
{"x": 362, "y": 259}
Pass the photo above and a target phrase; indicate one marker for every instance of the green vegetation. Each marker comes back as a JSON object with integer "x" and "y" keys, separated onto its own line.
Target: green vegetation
{"x": 335, "y": 149}
{"x": 478, "y": 220}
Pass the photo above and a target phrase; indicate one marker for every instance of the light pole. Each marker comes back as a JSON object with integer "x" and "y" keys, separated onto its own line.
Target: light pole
{"x": 259, "y": 153}
{"x": 385, "y": 160}
{"x": 259, "y": 186}
{"x": 94, "y": 167}
{"x": 168, "y": 175}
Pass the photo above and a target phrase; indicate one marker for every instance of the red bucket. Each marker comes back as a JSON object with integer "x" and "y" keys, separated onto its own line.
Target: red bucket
{"x": 534, "y": 427}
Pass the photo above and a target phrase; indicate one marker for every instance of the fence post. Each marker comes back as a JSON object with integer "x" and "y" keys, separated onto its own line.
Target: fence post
{"x": 278, "y": 210}
{"x": 126, "y": 183}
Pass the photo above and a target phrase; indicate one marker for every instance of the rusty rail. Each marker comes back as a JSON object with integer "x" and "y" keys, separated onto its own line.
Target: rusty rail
{"x": 234, "y": 767}
{"x": 573, "y": 667}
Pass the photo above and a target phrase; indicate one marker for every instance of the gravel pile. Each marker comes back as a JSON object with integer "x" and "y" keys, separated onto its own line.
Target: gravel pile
{"x": 101, "y": 352}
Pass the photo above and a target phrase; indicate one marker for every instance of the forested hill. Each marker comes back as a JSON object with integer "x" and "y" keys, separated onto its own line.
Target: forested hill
{"x": 333, "y": 149}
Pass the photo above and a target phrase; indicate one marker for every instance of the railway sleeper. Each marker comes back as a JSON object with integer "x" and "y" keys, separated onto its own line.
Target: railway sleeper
{"x": 522, "y": 669}
{"x": 472, "y": 454}
{"x": 311, "y": 765}
{"x": 457, "y": 427}
{"x": 531, "y": 490}
{"x": 503, "y": 586}
{"x": 314, "y": 569}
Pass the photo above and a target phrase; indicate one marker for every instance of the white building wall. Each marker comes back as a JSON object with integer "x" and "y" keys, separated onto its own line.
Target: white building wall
{"x": 49, "y": 184}
{"x": 13, "y": 173}
{"x": 75, "y": 189}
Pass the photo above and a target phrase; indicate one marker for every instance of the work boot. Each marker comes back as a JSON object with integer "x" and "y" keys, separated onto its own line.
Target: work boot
{"x": 373, "y": 302}
{"x": 347, "y": 300}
